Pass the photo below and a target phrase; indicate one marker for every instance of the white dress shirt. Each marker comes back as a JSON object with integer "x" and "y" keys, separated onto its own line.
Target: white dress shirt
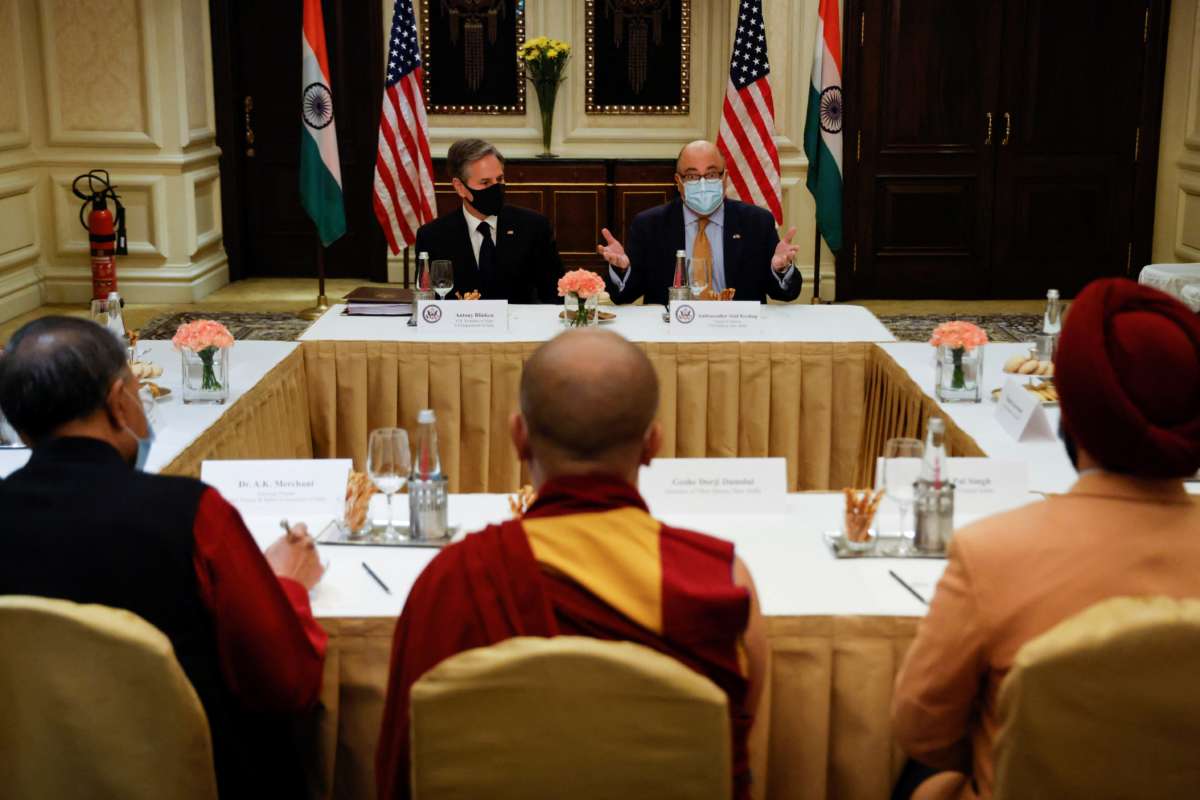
{"x": 476, "y": 236}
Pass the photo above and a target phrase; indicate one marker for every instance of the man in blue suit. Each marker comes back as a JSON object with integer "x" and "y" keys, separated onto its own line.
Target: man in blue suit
{"x": 740, "y": 240}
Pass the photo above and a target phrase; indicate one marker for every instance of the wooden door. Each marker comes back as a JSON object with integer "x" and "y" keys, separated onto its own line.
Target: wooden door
{"x": 927, "y": 80}
{"x": 258, "y": 92}
{"x": 1070, "y": 111}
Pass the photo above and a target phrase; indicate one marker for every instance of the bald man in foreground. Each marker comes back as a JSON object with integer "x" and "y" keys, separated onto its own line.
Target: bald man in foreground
{"x": 576, "y": 563}
{"x": 739, "y": 239}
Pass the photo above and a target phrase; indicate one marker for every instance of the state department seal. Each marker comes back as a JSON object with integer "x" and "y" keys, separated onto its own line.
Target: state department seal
{"x": 431, "y": 314}
{"x": 685, "y": 314}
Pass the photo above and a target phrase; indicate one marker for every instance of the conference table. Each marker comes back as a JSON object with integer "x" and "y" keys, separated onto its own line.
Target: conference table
{"x": 823, "y": 387}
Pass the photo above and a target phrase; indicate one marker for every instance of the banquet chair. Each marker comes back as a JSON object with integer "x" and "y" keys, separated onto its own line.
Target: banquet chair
{"x": 1104, "y": 705}
{"x": 568, "y": 717}
{"x": 95, "y": 705}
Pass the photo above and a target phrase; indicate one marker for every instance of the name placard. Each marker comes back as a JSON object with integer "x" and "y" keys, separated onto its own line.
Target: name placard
{"x": 715, "y": 485}
{"x": 299, "y": 489}
{"x": 981, "y": 485}
{"x": 462, "y": 316}
{"x": 1021, "y": 415}
{"x": 697, "y": 319}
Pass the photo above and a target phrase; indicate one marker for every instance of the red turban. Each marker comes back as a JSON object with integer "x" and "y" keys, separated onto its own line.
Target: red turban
{"x": 1128, "y": 375}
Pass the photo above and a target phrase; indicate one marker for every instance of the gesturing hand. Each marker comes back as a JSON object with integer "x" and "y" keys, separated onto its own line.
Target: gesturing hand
{"x": 294, "y": 555}
{"x": 612, "y": 252}
{"x": 785, "y": 252}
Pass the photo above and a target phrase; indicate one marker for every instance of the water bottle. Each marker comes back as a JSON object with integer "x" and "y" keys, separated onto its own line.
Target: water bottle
{"x": 678, "y": 290}
{"x": 116, "y": 320}
{"x": 933, "y": 494}
{"x": 427, "y": 495}
{"x": 1052, "y": 319}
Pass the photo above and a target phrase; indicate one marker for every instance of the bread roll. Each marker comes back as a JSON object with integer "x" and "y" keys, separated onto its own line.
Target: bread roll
{"x": 1014, "y": 363}
{"x": 1029, "y": 367}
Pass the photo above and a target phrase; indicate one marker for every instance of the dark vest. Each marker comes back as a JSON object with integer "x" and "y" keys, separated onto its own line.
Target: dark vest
{"x": 78, "y": 523}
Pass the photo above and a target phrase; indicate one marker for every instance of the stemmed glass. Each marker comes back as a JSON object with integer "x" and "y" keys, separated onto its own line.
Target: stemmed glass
{"x": 442, "y": 275}
{"x": 388, "y": 463}
{"x": 699, "y": 276}
{"x": 897, "y": 481}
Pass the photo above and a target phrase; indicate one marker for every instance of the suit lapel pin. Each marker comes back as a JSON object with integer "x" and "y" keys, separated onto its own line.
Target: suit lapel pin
{"x": 737, "y": 236}
{"x": 508, "y": 233}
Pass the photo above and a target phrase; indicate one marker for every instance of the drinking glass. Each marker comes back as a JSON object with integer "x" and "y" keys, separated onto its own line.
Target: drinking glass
{"x": 897, "y": 481}
{"x": 699, "y": 276}
{"x": 388, "y": 464}
{"x": 442, "y": 275}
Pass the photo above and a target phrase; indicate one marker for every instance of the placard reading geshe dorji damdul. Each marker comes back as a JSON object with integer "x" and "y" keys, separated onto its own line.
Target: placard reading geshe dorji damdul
{"x": 462, "y": 316}
{"x": 715, "y": 485}
{"x": 699, "y": 319}
{"x": 298, "y": 489}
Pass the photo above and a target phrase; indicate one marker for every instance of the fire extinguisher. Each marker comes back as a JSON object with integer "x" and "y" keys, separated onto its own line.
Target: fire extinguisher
{"x": 106, "y": 233}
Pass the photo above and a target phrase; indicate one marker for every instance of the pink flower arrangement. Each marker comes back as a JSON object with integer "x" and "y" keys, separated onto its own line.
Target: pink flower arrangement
{"x": 202, "y": 334}
{"x": 581, "y": 282}
{"x": 958, "y": 335}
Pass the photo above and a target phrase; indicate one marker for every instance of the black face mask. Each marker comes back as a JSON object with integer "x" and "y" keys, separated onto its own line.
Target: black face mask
{"x": 488, "y": 201}
{"x": 1069, "y": 443}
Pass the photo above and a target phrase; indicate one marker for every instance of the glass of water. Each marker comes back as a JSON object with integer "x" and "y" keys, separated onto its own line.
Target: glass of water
{"x": 442, "y": 274}
{"x": 699, "y": 276}
{"x": 897, "y": 481}
{"x": 388, "y": 463}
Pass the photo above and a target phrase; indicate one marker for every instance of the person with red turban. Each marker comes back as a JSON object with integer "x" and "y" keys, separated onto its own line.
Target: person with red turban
{"x": 1128, "y": 375}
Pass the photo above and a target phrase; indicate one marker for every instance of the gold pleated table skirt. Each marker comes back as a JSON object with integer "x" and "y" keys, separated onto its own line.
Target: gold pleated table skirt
{"x": 828, "y": 409}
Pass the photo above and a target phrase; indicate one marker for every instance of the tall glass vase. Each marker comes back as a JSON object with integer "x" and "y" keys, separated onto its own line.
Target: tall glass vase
{"x": 959, "y": 376}
{"x": 547, "y": 93}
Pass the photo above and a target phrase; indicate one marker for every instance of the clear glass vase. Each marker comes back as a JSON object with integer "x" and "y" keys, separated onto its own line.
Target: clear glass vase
{"x": 547, "y": 93}
{"x": 205, "y": 375}
{"x": 579, "y": 312}
{"x": 959, "y": 374}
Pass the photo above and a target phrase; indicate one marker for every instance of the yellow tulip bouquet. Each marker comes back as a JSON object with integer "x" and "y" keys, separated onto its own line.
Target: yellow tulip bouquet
{"x": 544, "y": 61}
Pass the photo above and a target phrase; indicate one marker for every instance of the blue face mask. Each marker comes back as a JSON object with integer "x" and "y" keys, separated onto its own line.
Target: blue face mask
{"x": 143, "y": 445}
{"x": 704, "y": 196}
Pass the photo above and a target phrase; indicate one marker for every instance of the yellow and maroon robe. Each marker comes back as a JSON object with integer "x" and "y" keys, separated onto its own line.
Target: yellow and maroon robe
{"x": 586, "y": 560}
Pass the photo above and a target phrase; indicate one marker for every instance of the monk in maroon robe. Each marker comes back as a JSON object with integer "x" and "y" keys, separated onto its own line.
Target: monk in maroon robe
{"x": 586, "y": 559}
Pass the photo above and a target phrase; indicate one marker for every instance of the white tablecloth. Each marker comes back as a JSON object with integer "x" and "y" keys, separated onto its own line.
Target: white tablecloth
{"x": 536, "y": 323}
{"x": 1049, "y": 468}
{"x": 793, "y": 569}
{"x": 177, "y": 425}
{"x": 1180, "y": 280}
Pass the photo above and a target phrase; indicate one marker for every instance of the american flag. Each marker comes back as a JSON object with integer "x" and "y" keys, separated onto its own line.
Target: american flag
{"x": 747, "y": 138}
{"x": 404, "y": 197}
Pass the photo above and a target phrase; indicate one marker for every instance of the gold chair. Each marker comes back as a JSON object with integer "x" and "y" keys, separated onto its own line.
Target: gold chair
{"x": 568, "y": 717}
{"x": 1105, "y": 705}
{"x": 93, "y": 704}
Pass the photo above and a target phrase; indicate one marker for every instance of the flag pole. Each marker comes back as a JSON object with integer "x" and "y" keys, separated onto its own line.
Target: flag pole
{"x": 816, "y": 298}
{"x": 322, "y": 301}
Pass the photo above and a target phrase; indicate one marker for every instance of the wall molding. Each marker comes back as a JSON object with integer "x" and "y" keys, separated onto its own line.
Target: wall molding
{"x": 1191, "y": 139}
{"x": 20, "y": 292}
{"x": 200, "y": 240}
{"x": 20, "y": 101}
{"x": 1185, "y": 251}
{"x": 150, "y": 136}
{"x": 70, "y": 240}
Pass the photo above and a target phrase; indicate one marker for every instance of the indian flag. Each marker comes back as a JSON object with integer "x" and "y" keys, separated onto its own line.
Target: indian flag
{"x": 320, "y": 171}
{"x": 823, "y": 126}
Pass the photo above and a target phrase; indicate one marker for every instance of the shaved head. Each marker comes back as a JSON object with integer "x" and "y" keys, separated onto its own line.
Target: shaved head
{"x": 699, "y": 156}
{"x": 589, "y": 395}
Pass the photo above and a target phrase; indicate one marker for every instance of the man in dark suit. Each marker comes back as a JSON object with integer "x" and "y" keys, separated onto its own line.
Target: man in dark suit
{"x": 503, "y": 252}
{"x": 738, "y": 239}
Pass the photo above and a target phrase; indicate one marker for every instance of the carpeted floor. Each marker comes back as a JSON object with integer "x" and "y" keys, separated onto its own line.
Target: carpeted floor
{"x": 999, "y": 327}
{"x": 285, "y": 327}
{"x": 270, "y": 327}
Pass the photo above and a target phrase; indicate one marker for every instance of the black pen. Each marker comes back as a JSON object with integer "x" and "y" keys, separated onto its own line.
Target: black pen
{"x": 899, "y": 580}
{"x": 384, "y": 586}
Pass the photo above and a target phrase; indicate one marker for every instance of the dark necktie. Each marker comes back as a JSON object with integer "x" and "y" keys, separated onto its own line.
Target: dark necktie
{"x": 487, "y": 258}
